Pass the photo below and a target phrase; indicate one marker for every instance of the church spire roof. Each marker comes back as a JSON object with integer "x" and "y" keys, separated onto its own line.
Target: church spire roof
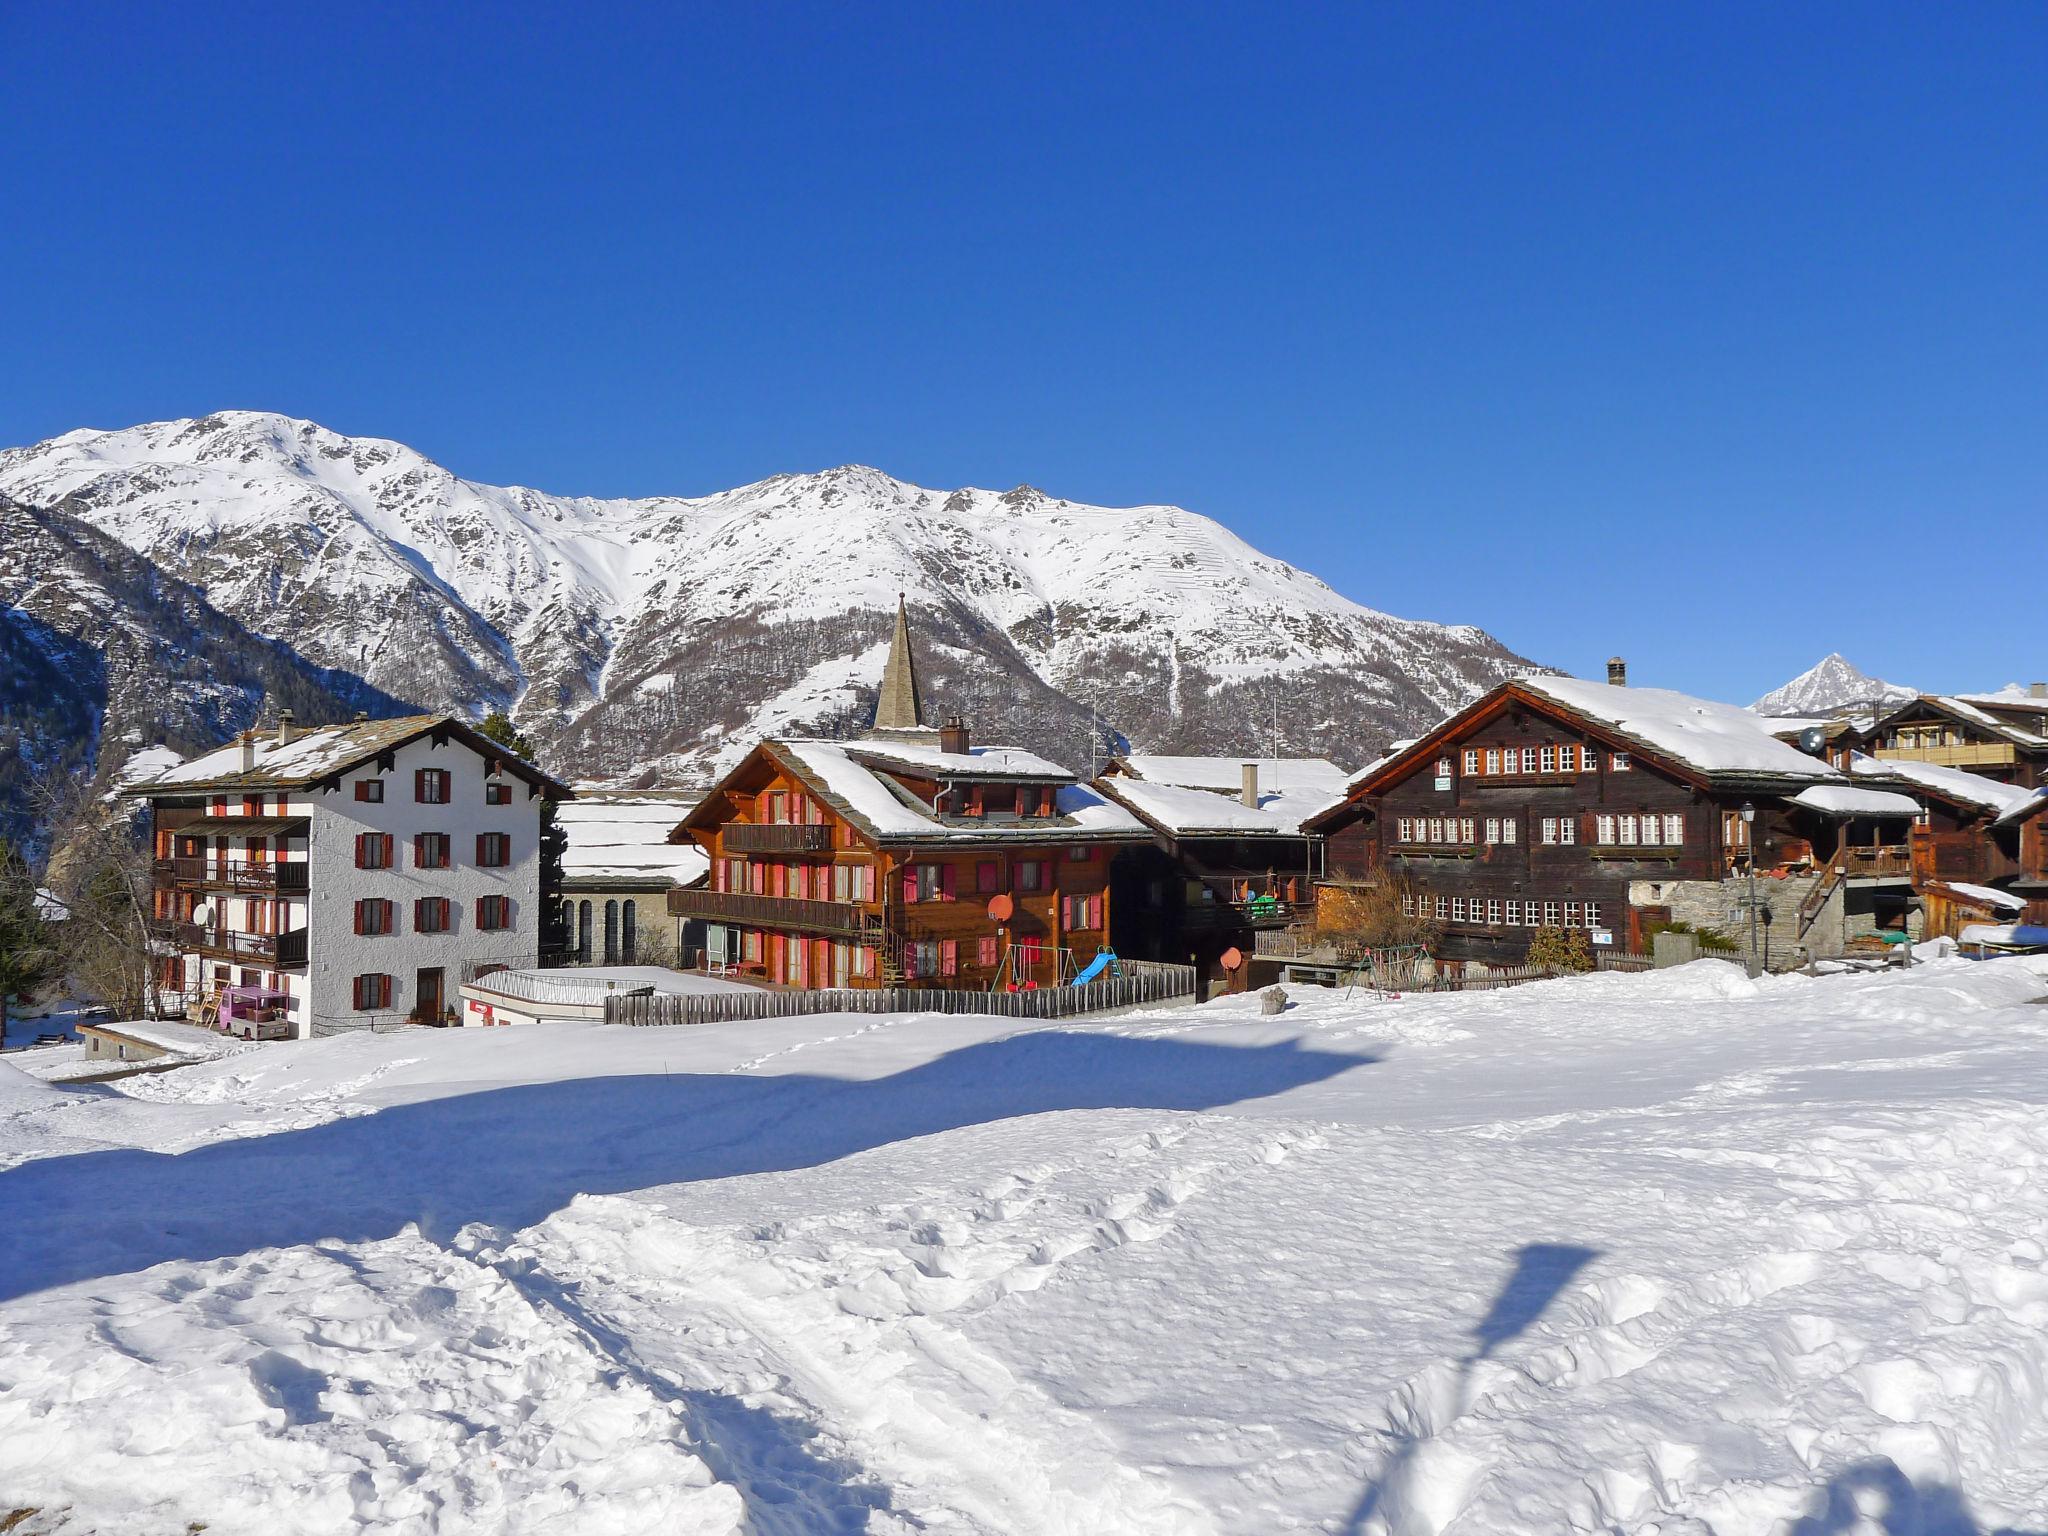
{"x": 898, "y": 706}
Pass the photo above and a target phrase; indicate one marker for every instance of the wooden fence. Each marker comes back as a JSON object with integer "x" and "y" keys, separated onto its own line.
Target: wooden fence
{"x": 1140, "y": 983}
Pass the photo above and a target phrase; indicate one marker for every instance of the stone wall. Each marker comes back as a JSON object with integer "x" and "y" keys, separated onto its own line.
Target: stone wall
{"x": 1721, "y": 905}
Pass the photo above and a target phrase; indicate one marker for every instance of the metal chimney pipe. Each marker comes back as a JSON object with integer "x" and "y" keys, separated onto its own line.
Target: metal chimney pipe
{"x": 1617, "y": 672}
{"x": 1248, "y": 785}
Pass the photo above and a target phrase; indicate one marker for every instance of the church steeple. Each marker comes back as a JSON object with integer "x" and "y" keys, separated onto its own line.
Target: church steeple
{"x": 898, "y": 706}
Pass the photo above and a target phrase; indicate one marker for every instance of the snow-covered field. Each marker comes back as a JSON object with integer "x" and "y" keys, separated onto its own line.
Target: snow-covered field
{"x": 1678, "y": 1253}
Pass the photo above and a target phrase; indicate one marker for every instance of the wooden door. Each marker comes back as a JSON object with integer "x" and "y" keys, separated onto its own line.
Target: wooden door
{"x": 427, "y": 990}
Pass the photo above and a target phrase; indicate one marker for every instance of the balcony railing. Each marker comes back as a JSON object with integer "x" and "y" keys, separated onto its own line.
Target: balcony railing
{"x": 230, "y": 874}
{"x": 278, "y": 949}
{"x": 828, "y": 917}
{"x": 1886, "y": 862}
{"x": 776, "y": 837}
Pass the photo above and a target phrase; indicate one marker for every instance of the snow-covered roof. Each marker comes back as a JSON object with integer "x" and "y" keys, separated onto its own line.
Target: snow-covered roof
{"x": 1190, "y": 795}
{"x": 2030, "y": 802}
{"x": 1705, "y": 735}
{"x": 1953, "y": 783}
{"x": 616, "y": 837}
{"x": 2013, "y": 697}
{"x": 884, "y": 811}
{"x": 312, "y": 753}
{"x": 974, "y": 763}
{"x": 1985, "y": 896}
{"x": 1853, "y": 800}
{"x": 1963, "y": 709}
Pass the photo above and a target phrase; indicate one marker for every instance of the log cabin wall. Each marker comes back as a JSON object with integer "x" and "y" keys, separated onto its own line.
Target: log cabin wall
{"x": 1501, "y": 858}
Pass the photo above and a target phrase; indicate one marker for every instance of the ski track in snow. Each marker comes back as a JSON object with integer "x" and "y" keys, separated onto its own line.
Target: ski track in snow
{"x": 1683, "y": 1254}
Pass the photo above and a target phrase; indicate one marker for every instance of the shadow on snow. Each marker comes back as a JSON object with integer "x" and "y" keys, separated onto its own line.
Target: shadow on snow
{"x": 512, "y": 1156}
{"x": 1870, "y": 1496}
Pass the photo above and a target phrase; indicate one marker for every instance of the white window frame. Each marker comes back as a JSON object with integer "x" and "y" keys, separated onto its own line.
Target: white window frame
{"x": 1568, "y": 830}
{"x": 1514, "y": 917}
{"x": 1674, "y": 829}
{"x": 1528, "y": 759}
{"x": 1603, "y": 830}
{"x": 1548, "y": 757}
{"x": 1471, "y": 759}
{"x": 1493, "y": 759}
{"x": 1508, "y": 832}
{"x": 1619, "y": 762}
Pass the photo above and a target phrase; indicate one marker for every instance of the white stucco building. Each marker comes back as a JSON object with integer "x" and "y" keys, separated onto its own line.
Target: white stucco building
{"x": 343, "y": 874}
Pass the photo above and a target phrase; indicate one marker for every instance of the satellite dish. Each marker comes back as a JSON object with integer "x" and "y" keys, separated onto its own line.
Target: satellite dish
{"x": 1813, "y": 739}
{"x": 1000, "y": 907}
{"x": 203, "y": 913}
{"x": 1232, "y": 958}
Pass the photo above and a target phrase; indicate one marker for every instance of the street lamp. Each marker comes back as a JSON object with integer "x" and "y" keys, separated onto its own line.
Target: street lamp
{"x": 1749, "y": 837}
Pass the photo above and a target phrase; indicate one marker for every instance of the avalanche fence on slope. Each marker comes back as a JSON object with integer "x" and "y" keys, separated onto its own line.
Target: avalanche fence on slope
{"x": 1142, "y": 982}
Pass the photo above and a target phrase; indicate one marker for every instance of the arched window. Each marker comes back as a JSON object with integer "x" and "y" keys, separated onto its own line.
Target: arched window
{"x": 611, "y": 933}
{"x": 583, "y": 933}
{"x": 629, "y": 932}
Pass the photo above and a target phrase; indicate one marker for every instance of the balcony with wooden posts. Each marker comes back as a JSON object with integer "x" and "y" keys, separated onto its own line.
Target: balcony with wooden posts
{"x": 1256, "y": 903}
{"x": 240, "y": 876}
{"x": 283, "y": 950}
{"x": 1957, "y": 754}
{"x": 775, "y": 837}
{"x": 839, "y": 919}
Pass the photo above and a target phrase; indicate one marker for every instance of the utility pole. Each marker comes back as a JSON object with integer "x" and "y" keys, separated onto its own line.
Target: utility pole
{"x": 1749, "y": 831}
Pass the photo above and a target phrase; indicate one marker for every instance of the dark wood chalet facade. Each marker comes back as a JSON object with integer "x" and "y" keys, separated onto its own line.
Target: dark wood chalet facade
{"x": 2000, "y": 738}
{"x": 1554, "y": 803}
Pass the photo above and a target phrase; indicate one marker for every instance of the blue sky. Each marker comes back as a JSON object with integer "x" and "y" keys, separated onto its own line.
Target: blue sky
{"x": 1713, "y": 335}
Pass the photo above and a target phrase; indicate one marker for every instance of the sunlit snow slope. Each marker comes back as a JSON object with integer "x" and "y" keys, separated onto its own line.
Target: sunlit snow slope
{"x": 1681, "y": 1254}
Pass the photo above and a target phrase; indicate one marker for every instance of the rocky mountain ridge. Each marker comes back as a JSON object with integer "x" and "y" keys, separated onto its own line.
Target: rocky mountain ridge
{"x": 653, "y": 639}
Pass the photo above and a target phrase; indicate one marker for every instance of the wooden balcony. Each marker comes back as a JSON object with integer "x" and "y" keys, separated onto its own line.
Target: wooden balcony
{"x": 838, "y": 918}
{"x": 775, "y": 837}
{"x": 1881, "y": 863}
{"x": 282, "y": 950}
{"x": 203, "y": 872}
{"x": 1977, "y": 754}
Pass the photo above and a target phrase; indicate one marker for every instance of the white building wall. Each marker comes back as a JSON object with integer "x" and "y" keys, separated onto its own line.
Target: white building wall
{"x": 337, "y": 954}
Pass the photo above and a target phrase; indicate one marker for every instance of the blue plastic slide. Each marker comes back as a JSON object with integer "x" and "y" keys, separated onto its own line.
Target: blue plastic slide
{"x": 1095, "y": 968}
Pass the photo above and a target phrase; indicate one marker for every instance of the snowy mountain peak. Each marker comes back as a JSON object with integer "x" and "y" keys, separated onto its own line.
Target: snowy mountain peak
{"x": 661, "y": 634}
{"x": 1834, "y": 682}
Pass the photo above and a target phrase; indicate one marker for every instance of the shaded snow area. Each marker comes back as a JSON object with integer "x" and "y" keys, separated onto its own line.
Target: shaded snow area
{"x": 1676, "y": 1254}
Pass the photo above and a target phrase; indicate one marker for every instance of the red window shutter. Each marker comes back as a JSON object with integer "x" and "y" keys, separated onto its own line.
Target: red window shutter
{"x": 483, "y": 850}
{"x": 362, "y": 839}
{"x": 386, "y": 844}
{"x": 359, "y": 917}
{"x": 909, "y": 882}
{"x": 482, "y": 907}
{"x": 948, "y": 882}
{"x": 949, "y": 957}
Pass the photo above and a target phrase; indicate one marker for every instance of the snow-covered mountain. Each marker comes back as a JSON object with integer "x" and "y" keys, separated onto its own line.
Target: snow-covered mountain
{"x": 644, "y": 638}
{"x": 97, "y": 644}
{"x": 1832, "y": 683}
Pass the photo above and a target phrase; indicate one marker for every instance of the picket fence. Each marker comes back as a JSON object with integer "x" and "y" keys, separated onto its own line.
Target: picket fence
{"x": 1142, "y": 982}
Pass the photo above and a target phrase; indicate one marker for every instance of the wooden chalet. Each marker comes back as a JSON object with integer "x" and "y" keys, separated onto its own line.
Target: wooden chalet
{"x": 1979, "y": 850}
{"x": 1229, "y": 860}
{"x": 1556, "y": 803}
{"x": 910, "y": 857}
{"x": 2000, "y": 736}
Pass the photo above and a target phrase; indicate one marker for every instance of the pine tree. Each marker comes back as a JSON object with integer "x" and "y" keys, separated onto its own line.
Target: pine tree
{"x": 25, "y": 954}
{"x": 554, "y": 842}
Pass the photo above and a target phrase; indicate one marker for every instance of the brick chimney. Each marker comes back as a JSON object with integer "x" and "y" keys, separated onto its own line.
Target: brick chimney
{"x": 1617, "y": 672}
{"x": 953, "y": 736}
{"x": 1248, "y": 785}
{"x": 285, "y": 724}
